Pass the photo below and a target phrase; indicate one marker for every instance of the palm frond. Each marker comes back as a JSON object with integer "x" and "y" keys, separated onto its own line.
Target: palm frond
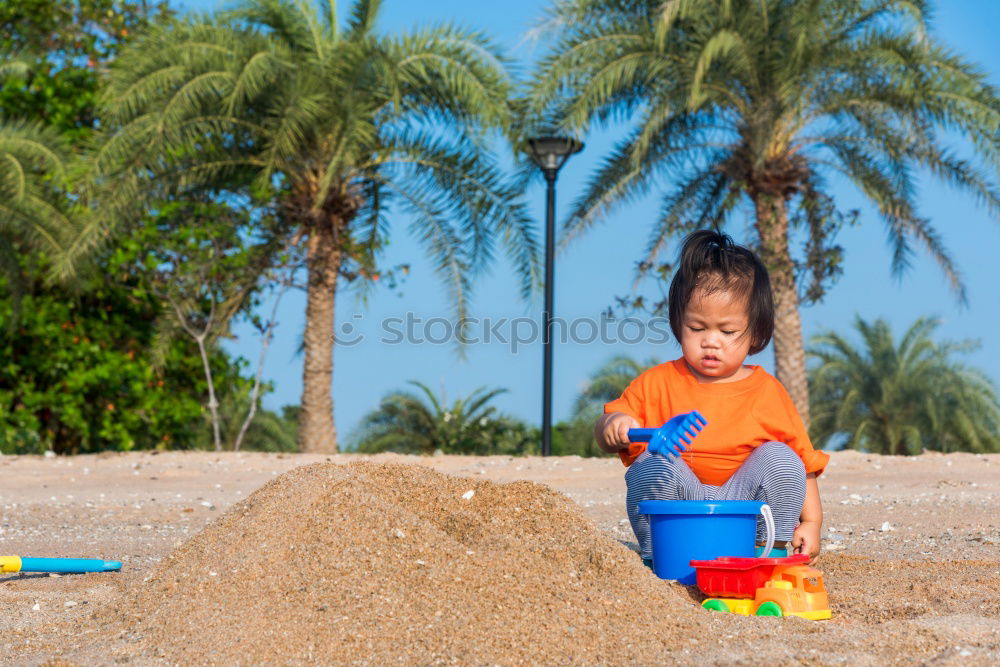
{"x": 802, "y": 89}
{"x": 34, "y": 208}
{"x": 900, "y": 397}
{"x": 609, "y": 381}
{"x": 408, "y": 423}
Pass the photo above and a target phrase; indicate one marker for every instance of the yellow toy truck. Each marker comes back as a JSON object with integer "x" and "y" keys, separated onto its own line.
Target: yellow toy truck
{"x": 763, "y": 587}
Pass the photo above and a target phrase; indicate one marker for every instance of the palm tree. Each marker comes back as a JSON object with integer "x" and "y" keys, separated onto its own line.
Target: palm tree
{"x": 900, "y": 399}
{"x": 608, "y": 382}
{"x": 420, "y": 424}
{"x": 754, "y": 105}
{"x": 333, "y": 123}
{"x": 33, "y": 172}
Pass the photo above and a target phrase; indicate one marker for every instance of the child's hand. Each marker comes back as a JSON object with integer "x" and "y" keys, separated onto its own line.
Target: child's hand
{"x": 805, "y": 539}
{"x": 612, "y": 431}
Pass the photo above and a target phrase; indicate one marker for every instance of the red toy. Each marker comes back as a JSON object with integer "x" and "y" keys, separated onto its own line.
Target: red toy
{"x": 763, "y": 586}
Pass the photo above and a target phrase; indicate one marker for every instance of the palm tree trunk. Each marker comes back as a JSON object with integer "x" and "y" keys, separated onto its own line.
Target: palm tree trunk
{"x": 789, "y": 352}
{"x": 317, "y": 431}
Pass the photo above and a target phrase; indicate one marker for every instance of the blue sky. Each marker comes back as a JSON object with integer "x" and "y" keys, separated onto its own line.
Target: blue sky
{"x": 591, "y": 272}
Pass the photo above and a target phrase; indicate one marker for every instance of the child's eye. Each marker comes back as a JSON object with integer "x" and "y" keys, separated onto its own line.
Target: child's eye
{"x": 695, "y": 328}
{"x": 728, "y": 333}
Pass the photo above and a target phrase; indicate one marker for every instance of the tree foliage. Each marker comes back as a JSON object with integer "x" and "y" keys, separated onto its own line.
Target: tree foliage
{"x": 608, "y": 382}
{"x": 604, "y": 385}
{"x": 95, "y": 363}
{"x": 206, "y": 261}
{"x": 76, "y": 375}
{"x": 66, "y": 46}
{"x": 268, "y": 431}
{"x": 33, "y": 205}
{"x": 422, "y": 423}
{"x": 754, "y": 107}
{"x": 901, "y": 398}
{"x": 344, "y": 123}
{"x": 106, "y": 365}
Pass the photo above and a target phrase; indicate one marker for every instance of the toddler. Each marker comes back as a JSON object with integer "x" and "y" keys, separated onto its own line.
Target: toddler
{"x": 755, "y": 446}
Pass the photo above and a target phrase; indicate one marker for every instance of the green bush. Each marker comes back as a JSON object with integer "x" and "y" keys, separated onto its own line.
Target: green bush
{"x": 76, "y": 375}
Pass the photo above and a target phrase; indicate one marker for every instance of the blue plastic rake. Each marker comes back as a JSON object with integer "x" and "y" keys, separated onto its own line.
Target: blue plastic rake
{"x": 673, "y": 437}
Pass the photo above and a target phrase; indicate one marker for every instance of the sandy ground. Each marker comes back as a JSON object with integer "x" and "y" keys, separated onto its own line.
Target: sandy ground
{"x": 911, "y": 548}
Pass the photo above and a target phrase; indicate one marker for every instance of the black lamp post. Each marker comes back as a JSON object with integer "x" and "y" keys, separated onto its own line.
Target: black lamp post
{"x": 550, "y": 154}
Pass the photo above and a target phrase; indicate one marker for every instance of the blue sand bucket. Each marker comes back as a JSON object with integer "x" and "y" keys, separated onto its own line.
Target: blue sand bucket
{"x": 685, "y": 530}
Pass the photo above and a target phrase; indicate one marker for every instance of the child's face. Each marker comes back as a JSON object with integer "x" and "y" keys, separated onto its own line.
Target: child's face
{"x": 714, "y": 336}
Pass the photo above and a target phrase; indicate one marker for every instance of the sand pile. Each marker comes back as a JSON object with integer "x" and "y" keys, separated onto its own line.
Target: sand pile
{"x": 396, "y": 563}
{"x": 369, "y": 563}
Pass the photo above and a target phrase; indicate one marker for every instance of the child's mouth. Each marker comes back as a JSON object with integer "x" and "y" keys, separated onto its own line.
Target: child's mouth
{"x": 710, "y": 361}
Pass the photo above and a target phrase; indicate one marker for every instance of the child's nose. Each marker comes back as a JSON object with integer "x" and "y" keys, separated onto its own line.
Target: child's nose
{"x": 710, "y": 340}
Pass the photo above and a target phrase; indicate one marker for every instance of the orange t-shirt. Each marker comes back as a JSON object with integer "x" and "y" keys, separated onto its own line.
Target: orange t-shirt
{"x": 741, "y": 415}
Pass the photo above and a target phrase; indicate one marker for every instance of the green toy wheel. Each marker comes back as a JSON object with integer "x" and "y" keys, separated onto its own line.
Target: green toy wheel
{"x": 769, "y": 608}
{"x": 715, "y": 605}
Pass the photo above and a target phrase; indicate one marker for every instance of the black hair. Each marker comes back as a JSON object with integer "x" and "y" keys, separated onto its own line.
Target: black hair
{"x": 710, "y": 260}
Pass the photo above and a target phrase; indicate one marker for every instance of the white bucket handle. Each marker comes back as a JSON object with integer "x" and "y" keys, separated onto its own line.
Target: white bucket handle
{"x": 769, "y": 523}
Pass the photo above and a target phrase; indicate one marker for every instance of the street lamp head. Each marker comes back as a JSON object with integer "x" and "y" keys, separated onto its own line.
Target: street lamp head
{"x": 551, "y": 153}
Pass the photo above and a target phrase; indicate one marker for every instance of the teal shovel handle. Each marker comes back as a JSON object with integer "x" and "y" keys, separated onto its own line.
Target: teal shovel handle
{"x": 69, "y": 565}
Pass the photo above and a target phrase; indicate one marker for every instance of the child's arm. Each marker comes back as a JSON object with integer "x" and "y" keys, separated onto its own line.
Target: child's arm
{"x": 806, "y": 538}
{"x": 611, "y": 431}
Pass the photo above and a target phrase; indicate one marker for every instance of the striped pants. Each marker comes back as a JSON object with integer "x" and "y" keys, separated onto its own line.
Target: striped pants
{"x": 773, "y": 474}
